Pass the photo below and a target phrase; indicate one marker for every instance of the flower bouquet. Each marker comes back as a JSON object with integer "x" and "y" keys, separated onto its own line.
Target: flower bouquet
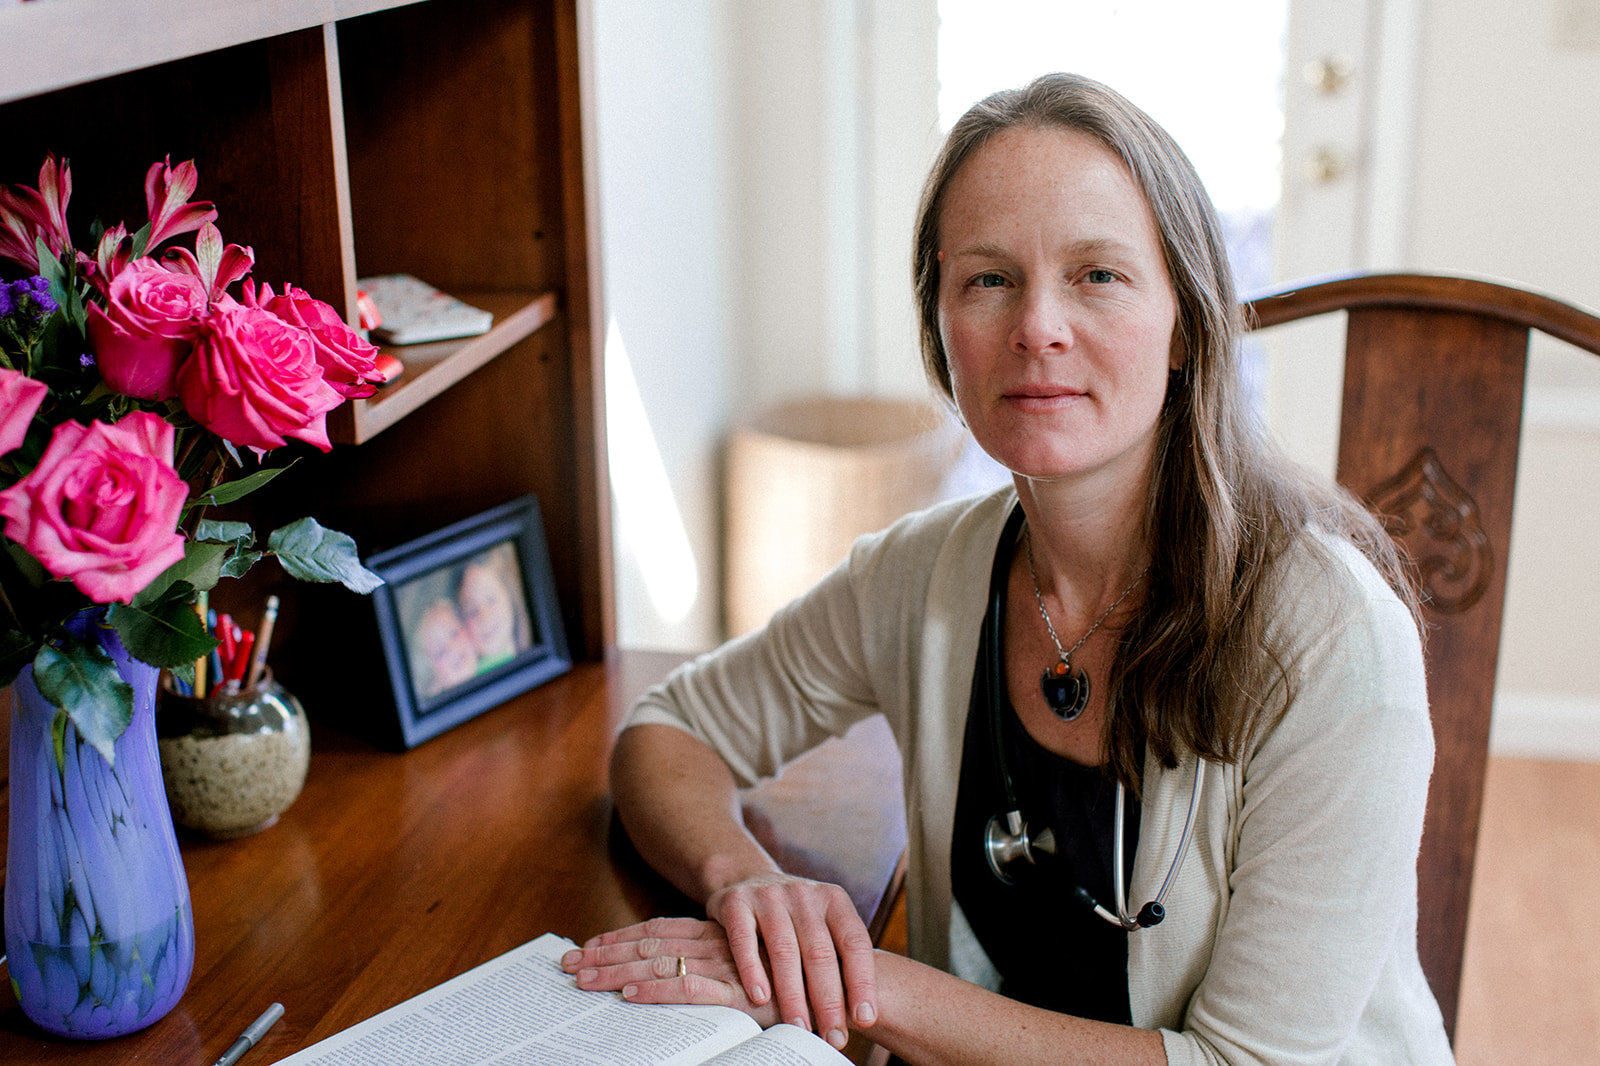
{"x": 136, "y": 394}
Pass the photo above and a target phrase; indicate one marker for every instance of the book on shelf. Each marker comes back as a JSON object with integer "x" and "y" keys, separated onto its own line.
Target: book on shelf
{"x": 411, "y": 311}
{"x": 521, "y": 1009}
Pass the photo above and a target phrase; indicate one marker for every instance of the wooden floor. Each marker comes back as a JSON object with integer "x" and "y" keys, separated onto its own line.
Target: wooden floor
{"x": 1531, "y": 988}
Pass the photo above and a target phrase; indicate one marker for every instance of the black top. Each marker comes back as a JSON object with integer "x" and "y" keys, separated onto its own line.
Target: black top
{"x": 1051, "y": 950}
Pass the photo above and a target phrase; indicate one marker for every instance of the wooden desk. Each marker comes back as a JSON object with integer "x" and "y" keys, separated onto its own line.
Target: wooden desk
{"x": 392, "y": 873}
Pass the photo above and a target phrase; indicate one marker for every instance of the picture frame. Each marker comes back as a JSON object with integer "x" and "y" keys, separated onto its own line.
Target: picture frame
{"x": 468, "y": 618}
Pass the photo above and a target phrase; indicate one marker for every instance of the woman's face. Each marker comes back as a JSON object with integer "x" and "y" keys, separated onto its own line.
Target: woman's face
{"x": 486, "y": 611}
{"x": 446, "y": 647}
{"x": 1055, "y": 307}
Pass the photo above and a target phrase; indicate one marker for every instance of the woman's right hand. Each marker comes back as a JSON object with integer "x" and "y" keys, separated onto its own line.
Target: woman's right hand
{"x": 818, "y": 950}
{"x": 681, "y": 808}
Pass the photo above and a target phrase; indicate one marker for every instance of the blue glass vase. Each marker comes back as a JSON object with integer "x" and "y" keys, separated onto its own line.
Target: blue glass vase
{"x": 98, "y": 928}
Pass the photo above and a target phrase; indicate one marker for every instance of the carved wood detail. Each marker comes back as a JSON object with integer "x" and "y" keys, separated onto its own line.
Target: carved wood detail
{"x": 1439, "y": 522}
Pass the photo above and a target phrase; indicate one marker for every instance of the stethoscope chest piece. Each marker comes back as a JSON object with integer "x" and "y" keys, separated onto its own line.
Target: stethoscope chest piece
{"x": 1006, "y": 840}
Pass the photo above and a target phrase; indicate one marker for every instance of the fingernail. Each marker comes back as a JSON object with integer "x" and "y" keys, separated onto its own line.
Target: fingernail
{"x": 758, "y": 995}
{"x": 836, "y": 1037}
{"x": 572, "y": 958}
{"x": 865, "y": 1014}
{"x": 629, "y": 991}
{"x": 800, "y": 1023}
{"x": 586, "y": 976}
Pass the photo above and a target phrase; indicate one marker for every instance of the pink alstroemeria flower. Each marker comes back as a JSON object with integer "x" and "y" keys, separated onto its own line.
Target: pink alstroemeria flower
{"x": 114, "y": 253}
{"x": 26, "y": 214}
{"x": 217, "y": 266}
{"x": 167, "y": 189}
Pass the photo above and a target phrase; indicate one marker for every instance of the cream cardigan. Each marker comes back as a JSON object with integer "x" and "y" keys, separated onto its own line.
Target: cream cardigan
{"x": 1291, "y": 928}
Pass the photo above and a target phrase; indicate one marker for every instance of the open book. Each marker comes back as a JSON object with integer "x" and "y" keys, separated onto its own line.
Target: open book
{"x": 520, "y": 1009}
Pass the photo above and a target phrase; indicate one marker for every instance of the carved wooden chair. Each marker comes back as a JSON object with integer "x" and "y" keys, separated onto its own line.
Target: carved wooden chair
{"x": 1432, "y": 413}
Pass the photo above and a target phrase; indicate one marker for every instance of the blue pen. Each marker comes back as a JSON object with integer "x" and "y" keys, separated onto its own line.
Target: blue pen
{"x": 215, "y": 658}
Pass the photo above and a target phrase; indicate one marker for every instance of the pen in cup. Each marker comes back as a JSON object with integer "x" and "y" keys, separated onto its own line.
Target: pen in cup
{"x": 251, "y": 1036}
{"x": 258, "y": 662}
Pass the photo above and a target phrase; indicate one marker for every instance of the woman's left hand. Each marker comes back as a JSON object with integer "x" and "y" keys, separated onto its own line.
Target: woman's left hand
{"x": 642, "y": 962}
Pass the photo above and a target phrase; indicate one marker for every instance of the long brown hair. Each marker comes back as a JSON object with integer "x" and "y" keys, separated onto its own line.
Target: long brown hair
{"x": 1196, "y": 665}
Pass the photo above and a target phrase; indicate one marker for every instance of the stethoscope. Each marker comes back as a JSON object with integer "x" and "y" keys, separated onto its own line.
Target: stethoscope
{"x": 1007, "y": 838}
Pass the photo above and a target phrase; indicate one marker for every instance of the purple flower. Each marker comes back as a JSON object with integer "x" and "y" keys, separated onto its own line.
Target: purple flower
{"x": 30, "y": 296}
{"x": 39, "y": 293}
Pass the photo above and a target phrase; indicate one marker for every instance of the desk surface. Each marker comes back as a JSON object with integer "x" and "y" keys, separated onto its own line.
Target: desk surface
{"x": 394, "y": 872}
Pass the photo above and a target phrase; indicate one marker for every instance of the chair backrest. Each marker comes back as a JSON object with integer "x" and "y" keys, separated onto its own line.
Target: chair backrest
{"x": 1432, "y": 413}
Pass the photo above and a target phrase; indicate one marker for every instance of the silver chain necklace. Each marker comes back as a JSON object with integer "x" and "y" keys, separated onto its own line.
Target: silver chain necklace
{"x": 1066, "y": 692}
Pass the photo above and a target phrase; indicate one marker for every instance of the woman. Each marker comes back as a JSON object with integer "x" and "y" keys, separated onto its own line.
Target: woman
{"x": 488, "y": 613}
{"x": 1157, "y": 594}
{"x": 442, "y": 648}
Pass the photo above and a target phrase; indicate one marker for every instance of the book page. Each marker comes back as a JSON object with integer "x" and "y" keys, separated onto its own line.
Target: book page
{"x": 782, "y": 1045}
{"x": 520, "y": 1009}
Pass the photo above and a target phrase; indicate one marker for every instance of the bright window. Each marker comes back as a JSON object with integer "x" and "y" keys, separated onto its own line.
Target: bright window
{"x": 1212, "y": 74}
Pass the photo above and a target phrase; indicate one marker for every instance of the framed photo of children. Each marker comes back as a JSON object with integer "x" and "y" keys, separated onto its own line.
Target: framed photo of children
{"x": 468, "y": 618}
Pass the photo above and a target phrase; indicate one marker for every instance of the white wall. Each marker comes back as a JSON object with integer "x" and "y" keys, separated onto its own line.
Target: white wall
{"x": 1508, "y": 149}
{"x": 659, "y": 87}
{"x": 1472, "y": 136}
{"x": 759, "y": 169}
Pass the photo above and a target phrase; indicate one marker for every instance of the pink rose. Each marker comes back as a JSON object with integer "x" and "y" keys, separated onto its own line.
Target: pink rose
{"x": 146, "y": 329}
{"x": 101, "y": 508}
{"x": 20, "y": 397}
{"x": 254, "y": 379}
{"x": 348, "y": 362}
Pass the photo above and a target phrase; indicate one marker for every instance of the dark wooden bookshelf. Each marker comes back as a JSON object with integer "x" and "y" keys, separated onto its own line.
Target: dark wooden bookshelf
{"x": 340, "y": 139}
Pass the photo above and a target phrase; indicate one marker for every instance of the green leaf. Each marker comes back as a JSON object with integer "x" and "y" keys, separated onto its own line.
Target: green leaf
{"x": 311, "y": 553}
{"x": 52, "y": 270}
{"x": 200, "y": 568}
{"x": 239, "y": 563}
{"x": 229, "y": 491}
{"x": 80, "y": 678}
{"x": 214, "y": 532}
{"x": 58, "y": 738}
{"x": 184, "y": 672}
{"x": 167, "y": 634}
{"x": 27, "y": 564}
{"x": 62, "y": 274}
{"x": 239, "y": 540}
{"x": 17, "y": 650}
{"x": 141, "y": 240}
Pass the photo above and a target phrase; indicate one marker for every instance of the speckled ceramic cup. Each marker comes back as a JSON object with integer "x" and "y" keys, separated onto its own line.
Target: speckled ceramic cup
{"x": 233, "y": 761}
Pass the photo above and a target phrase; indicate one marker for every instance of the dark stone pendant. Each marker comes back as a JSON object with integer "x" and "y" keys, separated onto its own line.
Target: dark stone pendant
{"x": 1065, "y": 690}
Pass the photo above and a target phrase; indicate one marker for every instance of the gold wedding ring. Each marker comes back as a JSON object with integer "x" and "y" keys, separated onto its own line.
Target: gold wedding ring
{"x": 683, "y": 966}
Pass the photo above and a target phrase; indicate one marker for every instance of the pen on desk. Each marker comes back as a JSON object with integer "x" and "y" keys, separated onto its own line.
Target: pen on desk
{"x": 269, "y": 618}
{"x": 249, "y": 1038}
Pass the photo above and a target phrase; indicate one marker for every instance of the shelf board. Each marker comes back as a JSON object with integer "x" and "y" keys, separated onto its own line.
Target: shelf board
{"x": 430, "y": 369}
{"x": 56, "y": 43}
